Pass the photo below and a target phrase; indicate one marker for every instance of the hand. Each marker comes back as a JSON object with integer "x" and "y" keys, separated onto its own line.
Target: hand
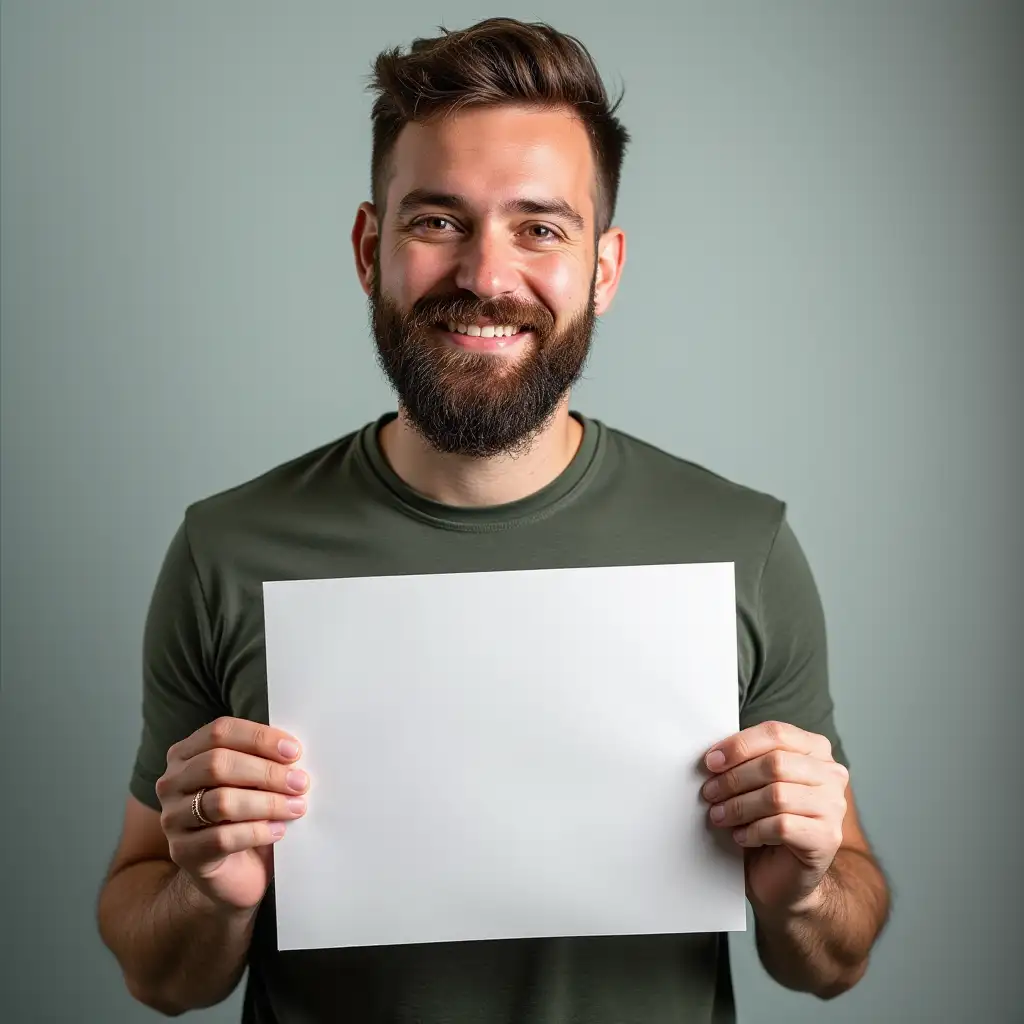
{"x": 250, "y": 792}
{"x": 784, "y": 796}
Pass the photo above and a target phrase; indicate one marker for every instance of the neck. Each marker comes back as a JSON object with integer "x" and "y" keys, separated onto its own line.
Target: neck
{"x": 466, "y": 482}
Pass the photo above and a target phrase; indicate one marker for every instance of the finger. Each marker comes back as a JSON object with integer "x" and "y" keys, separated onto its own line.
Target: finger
{"x": 775, "y": 766}
{"x": 808, "y": 838}
{"x": 241, "y": 735}
{"x": 231, "y": 768}
{"x": 773, "y": 799}
{"x": 192, "y": 850}
{"x": 760, "y": 739}
{"x": 228, "y": 804}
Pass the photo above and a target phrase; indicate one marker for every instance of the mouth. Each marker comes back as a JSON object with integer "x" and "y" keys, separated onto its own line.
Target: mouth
{"x": 484, "y": 337}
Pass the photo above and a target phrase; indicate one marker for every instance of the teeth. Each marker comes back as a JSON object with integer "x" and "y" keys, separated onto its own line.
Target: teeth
{"x": 490, "y": 331}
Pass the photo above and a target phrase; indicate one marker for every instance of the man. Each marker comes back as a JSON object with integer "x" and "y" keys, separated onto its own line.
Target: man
{"x": 487, "y": 254}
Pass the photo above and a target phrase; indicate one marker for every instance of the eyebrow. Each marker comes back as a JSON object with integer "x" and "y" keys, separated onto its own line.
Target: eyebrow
{"x": 560, "y": 208}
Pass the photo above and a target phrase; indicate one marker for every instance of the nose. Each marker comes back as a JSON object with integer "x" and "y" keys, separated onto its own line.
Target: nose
{"x": 486, "y": 265}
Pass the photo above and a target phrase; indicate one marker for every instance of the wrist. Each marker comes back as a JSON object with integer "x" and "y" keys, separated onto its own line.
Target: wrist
{"x": 194, "y": 898}
{"x": 812, "y": 906}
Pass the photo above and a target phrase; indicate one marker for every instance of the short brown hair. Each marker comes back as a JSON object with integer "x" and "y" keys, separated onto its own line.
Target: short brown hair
{"x": 496, "y": 61}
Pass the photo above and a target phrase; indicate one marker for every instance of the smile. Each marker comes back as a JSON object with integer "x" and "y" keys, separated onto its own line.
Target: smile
{"x": 483, "y": 338}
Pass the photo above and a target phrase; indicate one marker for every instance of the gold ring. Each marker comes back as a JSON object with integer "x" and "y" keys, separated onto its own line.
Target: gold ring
{"x": 197, "y": 811}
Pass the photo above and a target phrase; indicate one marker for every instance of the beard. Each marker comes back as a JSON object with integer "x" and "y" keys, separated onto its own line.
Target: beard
{"x": 471, "y": 403}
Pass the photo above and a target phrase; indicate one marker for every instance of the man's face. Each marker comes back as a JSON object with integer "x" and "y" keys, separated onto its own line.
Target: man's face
{"x": 485, "y": 274}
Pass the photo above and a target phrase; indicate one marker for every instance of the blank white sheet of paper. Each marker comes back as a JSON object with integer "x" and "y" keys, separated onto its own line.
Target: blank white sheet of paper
{"x": 505, "y": 754}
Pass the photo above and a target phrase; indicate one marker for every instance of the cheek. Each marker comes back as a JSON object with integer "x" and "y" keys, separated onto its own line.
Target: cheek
{"x": 411, "y": 272}
{"x": 561, "y": 284}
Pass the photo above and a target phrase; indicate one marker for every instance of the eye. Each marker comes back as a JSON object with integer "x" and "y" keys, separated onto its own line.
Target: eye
{"x": 549, "y": 234}
{"x": 433, "y": 221}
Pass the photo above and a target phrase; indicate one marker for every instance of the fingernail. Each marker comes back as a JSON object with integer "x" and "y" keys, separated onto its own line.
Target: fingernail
{"x": 297, "y": 780}
{"x": 711, "y": 789}
{"x": 296, "y": 804}
{"x": 288, "y": 748}
{"x": 717, "y": 813}
{"x": 277, "y": 829}
{"x": 740, "y": 835}
{"x": 715, "y": 760}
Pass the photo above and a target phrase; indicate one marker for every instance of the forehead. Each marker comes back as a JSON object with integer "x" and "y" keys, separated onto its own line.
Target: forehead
{"x": 495, "y": 153}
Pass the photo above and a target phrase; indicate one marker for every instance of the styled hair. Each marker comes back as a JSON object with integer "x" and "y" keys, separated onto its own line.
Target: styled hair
{"x": 495, "y": 62}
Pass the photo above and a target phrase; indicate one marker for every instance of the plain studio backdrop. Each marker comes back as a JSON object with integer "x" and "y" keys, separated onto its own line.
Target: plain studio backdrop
{"x": 822, "y": 300}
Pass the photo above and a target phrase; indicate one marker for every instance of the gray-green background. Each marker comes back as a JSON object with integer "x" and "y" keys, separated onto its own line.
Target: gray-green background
{"x": 822, "y": 300}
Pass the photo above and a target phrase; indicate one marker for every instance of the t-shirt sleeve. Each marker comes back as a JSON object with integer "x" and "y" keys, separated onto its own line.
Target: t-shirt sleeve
{"x": 179, "y": 691}
{"x": 790, "y": 682}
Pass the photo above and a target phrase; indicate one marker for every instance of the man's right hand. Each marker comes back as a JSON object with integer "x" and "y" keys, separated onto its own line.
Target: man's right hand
{"x": 251, "y": 790}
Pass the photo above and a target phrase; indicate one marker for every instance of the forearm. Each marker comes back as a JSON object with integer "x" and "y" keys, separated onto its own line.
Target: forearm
{"x": 823, "y": 947}
{"x": 177, "y": 950}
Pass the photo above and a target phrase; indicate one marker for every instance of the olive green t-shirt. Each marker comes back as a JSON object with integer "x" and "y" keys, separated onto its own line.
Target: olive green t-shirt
{"x": 340, "y": 511}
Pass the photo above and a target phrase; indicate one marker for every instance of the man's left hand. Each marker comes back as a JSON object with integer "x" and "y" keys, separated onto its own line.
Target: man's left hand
{"x": 784, "y": 797}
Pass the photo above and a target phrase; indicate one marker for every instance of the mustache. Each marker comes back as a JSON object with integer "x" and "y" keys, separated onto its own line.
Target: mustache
{"x": 504, "y": 309}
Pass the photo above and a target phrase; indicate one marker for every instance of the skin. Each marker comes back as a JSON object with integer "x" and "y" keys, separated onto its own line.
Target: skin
{"x": 819, "y": 897}
{"x": 179, "y": 901}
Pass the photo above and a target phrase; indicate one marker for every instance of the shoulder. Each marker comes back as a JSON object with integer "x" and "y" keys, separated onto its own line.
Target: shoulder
{"x": 693, "y": 491}
{"x": 276, "y": 494}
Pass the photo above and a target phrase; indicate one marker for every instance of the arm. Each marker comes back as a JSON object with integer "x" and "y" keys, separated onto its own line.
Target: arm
{"x": 179, "y": 902}
{"x": 823, "y": 946}
{"x": 177, "y": 949}
{"x": 819, "y": 899}
{"x": 150, "y": 916}
{"x": 181, "y": 899}
{"x": 781, "y": 785}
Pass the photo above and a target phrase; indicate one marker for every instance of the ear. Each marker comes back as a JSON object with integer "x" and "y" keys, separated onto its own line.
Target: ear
{"x": 365, "y": 241}
{"x": 611, "y": 258}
